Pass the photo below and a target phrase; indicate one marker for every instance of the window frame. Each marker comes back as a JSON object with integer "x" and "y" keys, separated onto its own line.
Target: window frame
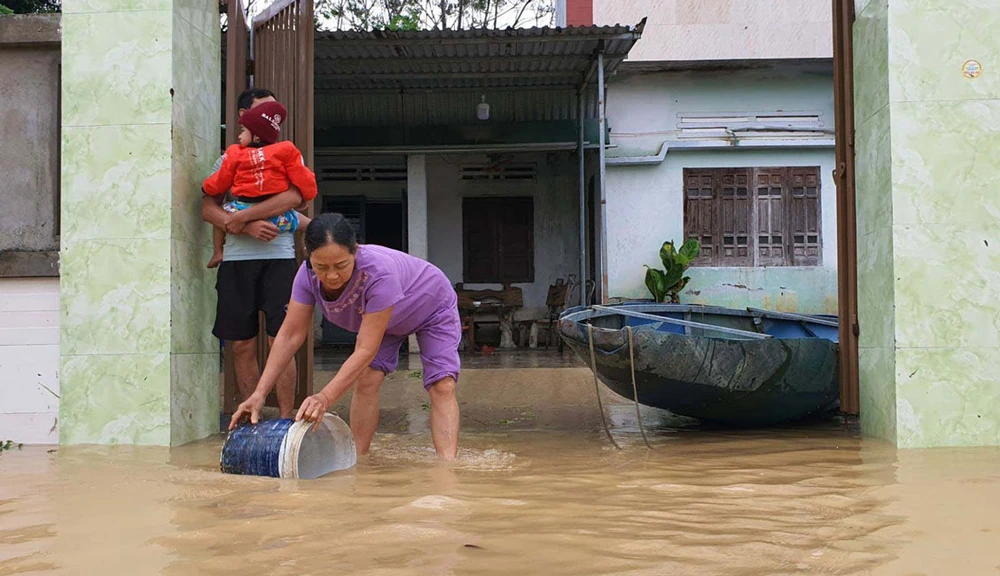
{"x": 791, "y": 238}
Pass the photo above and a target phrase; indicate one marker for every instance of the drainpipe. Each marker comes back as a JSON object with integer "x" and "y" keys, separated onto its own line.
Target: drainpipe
{"x": 602, "y": 158}
{"x": 581, "y": 103}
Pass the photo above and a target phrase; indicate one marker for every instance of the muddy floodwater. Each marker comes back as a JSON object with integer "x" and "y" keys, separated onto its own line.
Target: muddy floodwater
{"x": 798, "y": 501}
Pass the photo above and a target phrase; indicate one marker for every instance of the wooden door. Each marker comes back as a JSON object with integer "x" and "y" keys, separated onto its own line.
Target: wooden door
{"x": 237, "y": 62}
{"x": 282, "y": 48}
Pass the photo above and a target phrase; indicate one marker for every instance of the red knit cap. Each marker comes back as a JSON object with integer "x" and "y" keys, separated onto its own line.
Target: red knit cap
{"x": 264, "y": 121}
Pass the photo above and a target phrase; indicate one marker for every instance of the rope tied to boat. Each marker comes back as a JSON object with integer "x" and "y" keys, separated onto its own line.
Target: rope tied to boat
{"x": 635, "y": 388}
{"x": 597, "y": 386}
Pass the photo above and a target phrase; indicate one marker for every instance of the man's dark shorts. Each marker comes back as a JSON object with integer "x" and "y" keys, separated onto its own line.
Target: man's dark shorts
{"x": 246, "y": 286}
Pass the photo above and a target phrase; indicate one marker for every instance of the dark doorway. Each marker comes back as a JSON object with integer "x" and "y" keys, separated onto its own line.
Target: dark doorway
{"x": 378, "y": 221}
{"x": 384, "y": 224}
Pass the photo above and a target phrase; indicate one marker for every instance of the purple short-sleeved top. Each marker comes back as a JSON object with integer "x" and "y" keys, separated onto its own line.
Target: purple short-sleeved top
{"x": 414, "y": 288}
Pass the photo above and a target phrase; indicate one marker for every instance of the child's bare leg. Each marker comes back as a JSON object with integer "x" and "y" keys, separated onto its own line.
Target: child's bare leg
{"x": 218, "y": 240}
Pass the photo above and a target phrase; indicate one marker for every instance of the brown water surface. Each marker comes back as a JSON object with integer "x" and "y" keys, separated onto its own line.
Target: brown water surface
{"x": 813, "y": 501}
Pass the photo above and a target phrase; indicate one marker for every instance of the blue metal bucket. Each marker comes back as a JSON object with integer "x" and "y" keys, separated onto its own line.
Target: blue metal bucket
{"x": 255, "y": 449}
{"x": 288, "y": 449}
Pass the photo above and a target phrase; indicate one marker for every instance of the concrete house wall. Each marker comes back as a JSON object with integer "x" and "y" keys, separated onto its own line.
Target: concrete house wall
{"x": 646, "y": 203}
{"x": 723, "y": 29}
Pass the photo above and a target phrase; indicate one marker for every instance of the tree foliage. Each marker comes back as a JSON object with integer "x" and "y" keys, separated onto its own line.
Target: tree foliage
{"x": 432, "y": 14}
{"x": 31, "y": 6}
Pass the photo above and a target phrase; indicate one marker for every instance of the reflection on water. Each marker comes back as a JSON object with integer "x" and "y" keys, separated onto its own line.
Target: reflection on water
{"x": 777, "y": 502}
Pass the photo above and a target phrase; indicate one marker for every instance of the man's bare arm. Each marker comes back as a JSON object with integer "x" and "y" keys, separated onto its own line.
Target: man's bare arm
{"x": 277, "y": 204}
{"x": 212, "y": 212}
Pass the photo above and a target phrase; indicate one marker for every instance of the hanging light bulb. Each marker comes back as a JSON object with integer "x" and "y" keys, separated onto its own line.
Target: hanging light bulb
{"x": 483, "y": 110}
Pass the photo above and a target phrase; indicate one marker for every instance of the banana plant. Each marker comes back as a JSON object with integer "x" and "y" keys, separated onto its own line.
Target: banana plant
{"x": 669, "y": 282}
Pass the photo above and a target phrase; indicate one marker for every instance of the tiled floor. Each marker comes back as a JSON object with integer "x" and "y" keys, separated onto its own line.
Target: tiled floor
{"x": 331, "y": 358}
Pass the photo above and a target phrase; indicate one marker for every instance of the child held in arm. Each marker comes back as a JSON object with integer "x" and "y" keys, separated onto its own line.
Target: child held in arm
{"x": 258, "y": 168}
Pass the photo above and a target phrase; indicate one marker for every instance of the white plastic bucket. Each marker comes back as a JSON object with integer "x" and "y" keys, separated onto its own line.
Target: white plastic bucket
{"x": 286, "y": 449}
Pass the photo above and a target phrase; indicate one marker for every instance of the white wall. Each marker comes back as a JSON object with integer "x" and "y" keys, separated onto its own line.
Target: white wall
{"x": 646, "y": 203}
{"x": 29, "y": 360}
{"x": 642, "y": 109}
{"x": 724, "y": 29}
{"x": 557, "y": 236}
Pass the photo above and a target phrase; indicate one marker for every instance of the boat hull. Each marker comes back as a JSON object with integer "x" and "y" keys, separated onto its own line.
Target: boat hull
{"x": 733, "y": 382}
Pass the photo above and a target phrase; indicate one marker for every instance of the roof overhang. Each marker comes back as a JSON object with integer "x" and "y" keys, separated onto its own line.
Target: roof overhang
{"x": 462, "y": 60}
{"x": 798, "y": 65}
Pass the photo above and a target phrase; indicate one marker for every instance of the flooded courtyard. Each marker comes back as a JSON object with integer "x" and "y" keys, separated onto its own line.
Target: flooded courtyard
{"x": 814, "y": 500}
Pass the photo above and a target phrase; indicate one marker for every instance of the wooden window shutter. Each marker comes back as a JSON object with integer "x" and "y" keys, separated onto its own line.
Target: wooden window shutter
{"x": 517, "y": 231}
{"x": 700, "y": 220}
{"x": 771, "y": 217}
{"x": 754, "y": 216}
{"x": 479, "y": 241}
{"x": 804, "y": 221}
{"x": 498, "y": 240}
{"x": 734, "y": 200}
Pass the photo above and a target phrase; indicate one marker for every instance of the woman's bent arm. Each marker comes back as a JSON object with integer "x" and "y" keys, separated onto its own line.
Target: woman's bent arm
{"x": 369, "y": 339}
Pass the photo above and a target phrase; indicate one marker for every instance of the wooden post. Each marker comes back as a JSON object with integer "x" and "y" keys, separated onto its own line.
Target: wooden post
{"x": 847, "y": 255}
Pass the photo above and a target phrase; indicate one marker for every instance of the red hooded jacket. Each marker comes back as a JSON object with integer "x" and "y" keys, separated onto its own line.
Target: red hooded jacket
{"x": 253, "y": 172}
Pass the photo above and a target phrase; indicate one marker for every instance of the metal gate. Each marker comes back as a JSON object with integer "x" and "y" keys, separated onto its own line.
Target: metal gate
{"x": 847, "y": 253}
{"x": 275, "y": 53}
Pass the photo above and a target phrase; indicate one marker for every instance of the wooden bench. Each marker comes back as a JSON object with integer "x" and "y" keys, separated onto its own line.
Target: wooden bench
{"x": 502, "y": 302}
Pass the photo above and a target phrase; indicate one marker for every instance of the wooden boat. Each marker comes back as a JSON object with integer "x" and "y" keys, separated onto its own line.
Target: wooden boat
{"x": 742, "y": 368}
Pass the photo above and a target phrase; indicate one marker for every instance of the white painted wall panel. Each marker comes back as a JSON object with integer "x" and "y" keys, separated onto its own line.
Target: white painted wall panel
{"x": 29, "y": 360}
{"x": 30, "y": 379}
{"x": 30, "y": 428}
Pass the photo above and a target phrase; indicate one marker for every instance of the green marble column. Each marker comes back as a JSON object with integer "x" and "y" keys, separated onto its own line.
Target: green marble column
{"x": 140, "y": 129}
{"x": 928, "y": 163}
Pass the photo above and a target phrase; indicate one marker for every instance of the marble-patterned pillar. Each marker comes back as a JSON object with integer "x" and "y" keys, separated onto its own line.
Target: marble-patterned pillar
{"x": 140, "y": 130}
{"x": 927, "y": 119}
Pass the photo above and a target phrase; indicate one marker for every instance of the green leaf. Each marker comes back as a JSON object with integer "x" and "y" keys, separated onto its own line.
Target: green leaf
{"x": 650, "y": 281}
{"x": 4, "y": 11}
{"x": 689, "y": 250}
{"x": 655, "y": 283}
{"x": 672, "y": 277}
{"x": 668, "y": 255}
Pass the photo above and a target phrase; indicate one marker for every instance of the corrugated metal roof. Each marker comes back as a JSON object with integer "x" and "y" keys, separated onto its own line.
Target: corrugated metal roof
{"x": 449, "y": 107}
{"x": 467, "y": 59}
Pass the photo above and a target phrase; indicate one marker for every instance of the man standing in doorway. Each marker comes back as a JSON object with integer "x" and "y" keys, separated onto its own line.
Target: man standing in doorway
{"x": 256, "y": 274}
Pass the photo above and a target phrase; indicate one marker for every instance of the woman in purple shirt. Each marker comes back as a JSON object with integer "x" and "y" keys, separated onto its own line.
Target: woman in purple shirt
{"x": 385, "y": 296}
